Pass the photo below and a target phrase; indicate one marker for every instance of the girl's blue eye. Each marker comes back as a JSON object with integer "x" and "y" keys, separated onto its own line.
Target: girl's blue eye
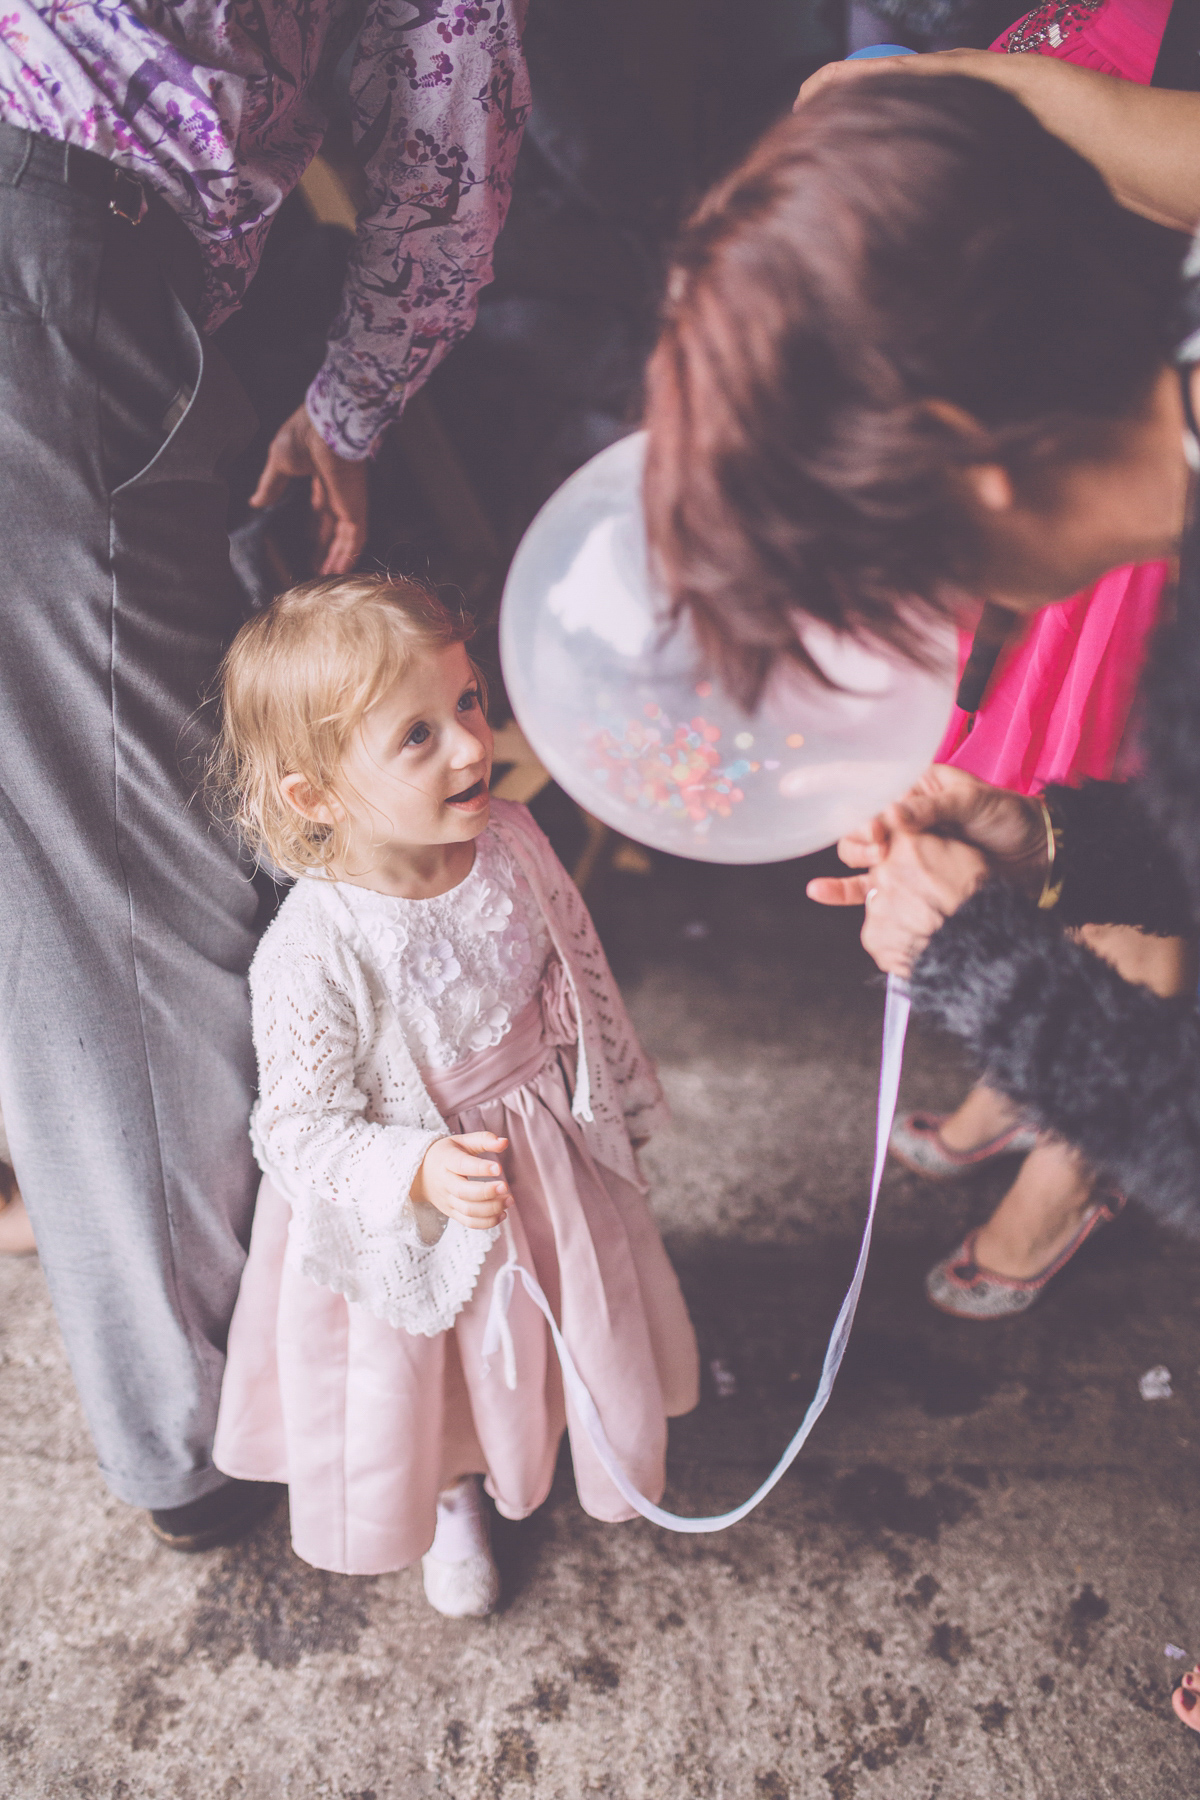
{"x": 469, "y": 701}
{"x": 419, "y": 734}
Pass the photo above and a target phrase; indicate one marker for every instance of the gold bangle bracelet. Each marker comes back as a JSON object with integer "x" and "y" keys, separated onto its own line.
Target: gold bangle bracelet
{"x": 1051, "y": 892}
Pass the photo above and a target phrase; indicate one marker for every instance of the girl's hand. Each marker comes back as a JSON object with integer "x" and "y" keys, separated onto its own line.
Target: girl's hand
{"x": 912, "y": 892}
{"x": 457, "y": 1178}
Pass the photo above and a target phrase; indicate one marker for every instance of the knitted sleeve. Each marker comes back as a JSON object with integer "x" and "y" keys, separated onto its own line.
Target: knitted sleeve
{"x": 311, "y": 1130}
{"x": 1117, "y": 868}
{"x": 1106, "y": 1065}
{"x": 346, "y": 1175}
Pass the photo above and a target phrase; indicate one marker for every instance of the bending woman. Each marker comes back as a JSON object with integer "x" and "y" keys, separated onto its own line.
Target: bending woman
{"x": 1055, "y": 707}
{"x": 915, "y": 350}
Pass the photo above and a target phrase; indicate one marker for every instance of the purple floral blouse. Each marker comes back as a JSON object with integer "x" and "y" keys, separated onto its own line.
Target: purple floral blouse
{"x": 221, "y": 104}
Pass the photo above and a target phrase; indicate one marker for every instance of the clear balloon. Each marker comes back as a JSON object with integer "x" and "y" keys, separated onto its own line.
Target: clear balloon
{"x": 619, "y": 707}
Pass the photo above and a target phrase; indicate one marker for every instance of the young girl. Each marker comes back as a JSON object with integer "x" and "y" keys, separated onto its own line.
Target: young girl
{"x": 441, "y": 1046}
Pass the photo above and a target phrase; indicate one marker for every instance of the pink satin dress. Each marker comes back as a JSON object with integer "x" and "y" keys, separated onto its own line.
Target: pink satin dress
{"x": 365, "y": 1423}
{"x": 1059, "y": 704}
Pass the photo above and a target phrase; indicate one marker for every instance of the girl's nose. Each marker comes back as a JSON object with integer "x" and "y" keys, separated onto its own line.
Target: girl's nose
{"x": 467, "y": 750}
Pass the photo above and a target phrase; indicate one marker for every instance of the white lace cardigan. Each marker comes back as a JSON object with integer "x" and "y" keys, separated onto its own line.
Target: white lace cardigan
{"x": 344, "y": 1119}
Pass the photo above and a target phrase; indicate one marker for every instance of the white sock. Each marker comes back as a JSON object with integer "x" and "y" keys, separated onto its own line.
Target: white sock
{"x": 461, "y": 1527}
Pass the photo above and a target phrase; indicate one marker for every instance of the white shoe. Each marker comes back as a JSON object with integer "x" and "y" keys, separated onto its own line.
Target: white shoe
{"x": 460, "y": 1575}
{"x": 462, "y": 1590}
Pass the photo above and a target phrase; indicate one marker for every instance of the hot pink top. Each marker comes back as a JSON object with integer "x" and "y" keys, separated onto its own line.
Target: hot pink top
{"x": 1118, "y": 37}
{"x": 1058, "y": 705}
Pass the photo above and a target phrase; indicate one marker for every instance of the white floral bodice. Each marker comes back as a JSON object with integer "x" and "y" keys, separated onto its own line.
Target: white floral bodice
{"x": 458, "y": 968}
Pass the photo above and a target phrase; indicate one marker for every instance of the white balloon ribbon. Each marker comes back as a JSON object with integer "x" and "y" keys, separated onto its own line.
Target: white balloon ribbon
{"x": 498, "y": 1335}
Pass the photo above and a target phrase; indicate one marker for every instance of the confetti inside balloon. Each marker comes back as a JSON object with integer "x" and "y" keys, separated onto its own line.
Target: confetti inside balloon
{"x": 622, "y": 711}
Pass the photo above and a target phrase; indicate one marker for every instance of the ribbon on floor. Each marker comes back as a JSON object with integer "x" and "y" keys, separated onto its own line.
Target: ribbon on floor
{"x": 498, "y": 1335}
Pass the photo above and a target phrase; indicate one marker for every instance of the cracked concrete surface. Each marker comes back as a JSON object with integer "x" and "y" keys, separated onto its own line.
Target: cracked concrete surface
{"x": 963, "y": 1589}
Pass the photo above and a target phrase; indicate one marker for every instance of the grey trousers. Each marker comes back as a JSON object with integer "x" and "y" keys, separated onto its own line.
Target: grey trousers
{"x": 126, "y": 918}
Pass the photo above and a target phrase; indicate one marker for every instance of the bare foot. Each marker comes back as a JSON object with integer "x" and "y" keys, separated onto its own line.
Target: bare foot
{"x": 1185, "y": 1699}
{"x": 16, "y": 1233}
{"x": 1039, "y": 1215}
{"x": 981, "y": 1118}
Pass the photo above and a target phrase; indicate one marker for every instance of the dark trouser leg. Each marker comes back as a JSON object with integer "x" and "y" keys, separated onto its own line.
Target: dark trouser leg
{"x": 126, "y": 922}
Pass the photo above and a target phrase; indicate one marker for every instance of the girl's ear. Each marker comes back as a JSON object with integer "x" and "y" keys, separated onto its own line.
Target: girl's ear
{"x": 308, "y": 801}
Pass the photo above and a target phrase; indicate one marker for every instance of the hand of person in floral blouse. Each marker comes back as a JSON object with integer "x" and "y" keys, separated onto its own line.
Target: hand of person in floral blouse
{"x": 456, "y": 1178}
{"x": 338, "y": 490}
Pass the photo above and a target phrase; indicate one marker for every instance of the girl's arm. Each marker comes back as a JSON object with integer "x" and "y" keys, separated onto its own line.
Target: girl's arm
{"x": 1106, "y": 1065}
{"x": 1145, "y": 141}
{"x": 310, "y": 1126}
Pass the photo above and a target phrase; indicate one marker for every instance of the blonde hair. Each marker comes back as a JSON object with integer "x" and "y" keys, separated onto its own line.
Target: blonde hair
{"x": 294, "y": 687}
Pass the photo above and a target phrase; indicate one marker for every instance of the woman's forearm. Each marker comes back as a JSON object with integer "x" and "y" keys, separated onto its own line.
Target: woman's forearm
{"x": 1145, "y": 141}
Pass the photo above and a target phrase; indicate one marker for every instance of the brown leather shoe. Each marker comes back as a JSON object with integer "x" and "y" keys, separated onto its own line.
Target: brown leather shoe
{"x": 221, "y": 1517}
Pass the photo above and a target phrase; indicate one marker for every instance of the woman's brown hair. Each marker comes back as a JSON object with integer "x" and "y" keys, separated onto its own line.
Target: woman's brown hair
{"x": 900, "y": 241}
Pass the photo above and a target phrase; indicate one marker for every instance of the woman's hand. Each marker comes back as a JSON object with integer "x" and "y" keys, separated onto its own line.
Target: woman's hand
{"x": 455, "y": 1178}
{"x": 948, "y": 802}
{"x": 912, "y": 892}
{"x": 1009, "y": 828}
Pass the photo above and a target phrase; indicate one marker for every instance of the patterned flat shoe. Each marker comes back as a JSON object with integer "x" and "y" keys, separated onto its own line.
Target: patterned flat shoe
{"x": 917, "y": 1142}
{"x": 959, "y": 1286}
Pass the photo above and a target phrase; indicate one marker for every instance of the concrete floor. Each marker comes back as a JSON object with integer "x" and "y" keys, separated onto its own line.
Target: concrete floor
{"x": 963, "y": 1589}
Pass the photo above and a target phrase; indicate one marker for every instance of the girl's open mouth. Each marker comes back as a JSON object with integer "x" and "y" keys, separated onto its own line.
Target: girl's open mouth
{"x": 472, "y": 798}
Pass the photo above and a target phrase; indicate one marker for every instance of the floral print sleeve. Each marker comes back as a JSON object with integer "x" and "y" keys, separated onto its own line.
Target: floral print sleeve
{"x": 219, "y": 106}
{"x": 439, "y": 106}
